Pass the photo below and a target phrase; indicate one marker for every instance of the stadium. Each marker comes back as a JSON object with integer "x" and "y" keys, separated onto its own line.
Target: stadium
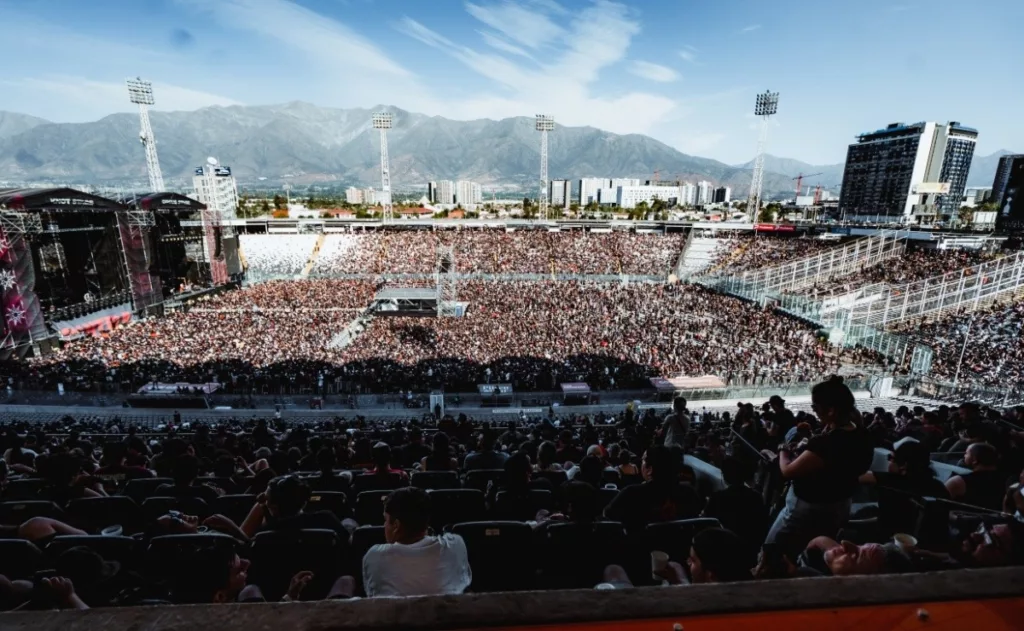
{"x": 200, "y": 410}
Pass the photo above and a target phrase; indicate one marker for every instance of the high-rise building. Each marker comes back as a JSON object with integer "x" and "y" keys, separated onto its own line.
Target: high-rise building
{"x": 687, "y": 194}
{"x": 722, "y": 195}
{"x": 589, "y": 187}
{"x": 432, "y": 192}
{"x": 558, "y": 193}
{"x": 623, "y": 181}
{"x": 370, "y": 197}
{"x": 215, "y": 186}
{"x": 354, "y": 195}
{"x": 468, "y": 193}
{"x": 907, "y": 173}
{"x": 1003, "y": 175}
{"x": 630, "y": 196}
{"x": 444, "y": 193}
{"x": 705, "y": 193}
{"x": 1011, "y": 203}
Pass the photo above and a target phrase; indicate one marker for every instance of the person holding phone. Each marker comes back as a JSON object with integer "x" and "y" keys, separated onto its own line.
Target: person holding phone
{"x": 826, "y": 472}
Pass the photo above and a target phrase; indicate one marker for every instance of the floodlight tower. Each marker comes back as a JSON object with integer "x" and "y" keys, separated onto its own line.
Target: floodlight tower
{"x": 767, "y": 105}
{"x": 382, "y": 121}
{"x": 141, "y": 93}
{"x": 544, "y": 125}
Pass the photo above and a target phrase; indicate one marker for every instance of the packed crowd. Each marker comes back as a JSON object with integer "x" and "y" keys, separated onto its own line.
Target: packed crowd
{"x": 295, "y": 512}
{"x": 915, "y": 264}
{"x": 499, "y": 252}
{"x": 987, "y": 345}
{"x": 751, "y": 252}
{"x": 276, "y": 255}
{"x": 533, "y": 335}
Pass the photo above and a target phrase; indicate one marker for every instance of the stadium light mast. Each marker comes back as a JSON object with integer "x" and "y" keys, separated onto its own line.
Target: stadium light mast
{"x": 383, "y": 121}
{"x": 544, "y": 125}
{"x": 766, "y": 106}
{"x": 141, "y": 93}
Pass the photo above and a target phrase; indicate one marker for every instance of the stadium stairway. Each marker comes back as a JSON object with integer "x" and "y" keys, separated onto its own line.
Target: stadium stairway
{"x": 699, "y": 256}
{"x": 313, "y": 257}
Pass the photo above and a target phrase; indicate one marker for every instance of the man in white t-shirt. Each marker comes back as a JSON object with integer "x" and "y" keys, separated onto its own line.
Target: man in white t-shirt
{"x": 412, "y": 563}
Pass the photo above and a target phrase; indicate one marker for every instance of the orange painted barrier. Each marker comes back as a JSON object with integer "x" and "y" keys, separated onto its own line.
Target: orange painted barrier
{"x": 999, "y": 614}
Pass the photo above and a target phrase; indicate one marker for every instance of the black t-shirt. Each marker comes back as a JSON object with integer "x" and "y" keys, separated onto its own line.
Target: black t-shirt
{"x": 985, "y": 489}
{"x": 847, "y": 453}
{"x": 896, "y": 509}
{"x": 783, "y": 421}
{"x": 641, "y": 504}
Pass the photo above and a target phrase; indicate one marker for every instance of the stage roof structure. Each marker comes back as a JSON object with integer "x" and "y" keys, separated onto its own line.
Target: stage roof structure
{"x": 407, "y": 293}
{"x": 55, "y": 199}
{"x": 161, "y": 201}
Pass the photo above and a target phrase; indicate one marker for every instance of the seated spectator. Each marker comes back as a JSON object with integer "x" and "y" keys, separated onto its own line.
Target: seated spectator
{"x": 327, "y": 480}
{"x": 381, "y": 455}
{"x": 485, "y": 457}
{"x": 568, "y": 450}
{"x": 413, "y": 563}
{"x": 185, "y": 471}
{"x": 589, "y": 470}
{"x": 825, "y": 556}
{"x": 517, "y": 480}
{"x": 64, "y": 480}
{"x": 414, "y": 450}
{"x": 910, "y": 476}
{"x": 983, "y": 486}
{"x": 114, "y": 469}
{"x": 547, "y": 458}
{"x": 622, "y": 460}
{"x": 716, "y": 556}
{"x": 659, "y": 498}
{"x": 581, "y": 506}
{"x": 96, "y": 578}
{"x": 281, "y": 509}
{"x": 738, "y": 507}
{"x": 440, "y": 458}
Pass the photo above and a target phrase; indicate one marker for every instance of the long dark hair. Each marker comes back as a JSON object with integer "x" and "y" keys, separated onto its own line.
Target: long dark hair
{"x": 833, "y": 394}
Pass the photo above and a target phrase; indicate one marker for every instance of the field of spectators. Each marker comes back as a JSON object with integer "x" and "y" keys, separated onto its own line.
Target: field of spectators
{"x": 99, "y": 515}
{"x": 276, "y": 255}
{"x": 499, "y": 252}
{"x": 532, "y": 334}
{"x": 740, "y": 253}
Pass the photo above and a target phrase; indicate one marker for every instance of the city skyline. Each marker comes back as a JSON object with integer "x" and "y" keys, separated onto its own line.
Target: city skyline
{"x": 682, "y": 72}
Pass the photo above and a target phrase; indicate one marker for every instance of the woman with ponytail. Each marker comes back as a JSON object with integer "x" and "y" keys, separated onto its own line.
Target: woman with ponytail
{"x": 823, "y": 473}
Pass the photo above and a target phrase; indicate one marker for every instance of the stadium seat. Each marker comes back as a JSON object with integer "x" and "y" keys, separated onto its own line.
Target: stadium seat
{"x": 370, "y": 508}
{"x": 141, "y": 488}
{"x": 24, "y": 489}
{"x": 277, "y": 556}
{"x": 122, "y": 549}
{"x": 501, "y": 554}
{"x": 96, "y": 513}
{"x": 164, "y": 550}
{"x": 575, "y": 555}
{"x": 556, "y": 478}
{"x": 234, "y": 507}
{"x": 17, "y": 513}
{"x": 332, "y": 501}
{"x": 479, "y": 478}
{"x": 605, "y": 497}
{"x": 674, "y": 537}
{"x": 433, "y": 480}
{"x": 630, "y": 480}
{"x": 453, "y": 506}
{"x": 155, "y": 507}
{"x": 522, "y": 507}
{"x": 363, "y": 538}
{"x": 225, "y": 484}
{"x": 371, "y": 482}
{"x": 19, "y": 559}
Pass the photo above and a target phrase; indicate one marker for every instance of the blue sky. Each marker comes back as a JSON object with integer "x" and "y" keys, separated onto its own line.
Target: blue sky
{"x": 682, "y": 71}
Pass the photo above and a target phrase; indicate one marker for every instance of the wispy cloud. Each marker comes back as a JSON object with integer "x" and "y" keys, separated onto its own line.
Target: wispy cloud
{"x": 688, "y": 55}
{"x": 574, "y": 56}
{"x": 653, "y": 72}
{"x": 498, "y": 43}
{"x": 751, "y": 28}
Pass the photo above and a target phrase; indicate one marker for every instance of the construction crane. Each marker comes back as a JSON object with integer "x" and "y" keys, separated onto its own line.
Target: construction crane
{"x": 817, "y": 195}
{"x": 800, "y": 179}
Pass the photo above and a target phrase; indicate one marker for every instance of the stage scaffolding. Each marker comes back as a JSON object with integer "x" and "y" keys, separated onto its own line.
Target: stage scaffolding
{"x": 134, "y": 227}
{"x": 446, "y": 282}
{"x": 23, "y": 322}
{"x": 834, "y": 262}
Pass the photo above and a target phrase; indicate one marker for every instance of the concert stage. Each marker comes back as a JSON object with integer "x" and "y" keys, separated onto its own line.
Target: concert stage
{"x": 72, "y": 262}
{"x": 411, "y": 301}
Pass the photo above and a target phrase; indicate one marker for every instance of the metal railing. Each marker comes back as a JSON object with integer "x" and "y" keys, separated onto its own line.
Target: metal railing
{"x": 832, "y": 263}
{"x": 966, "y": 289}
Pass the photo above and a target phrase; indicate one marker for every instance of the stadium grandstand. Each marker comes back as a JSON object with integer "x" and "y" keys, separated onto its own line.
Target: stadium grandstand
{"x": 411, "y": 411}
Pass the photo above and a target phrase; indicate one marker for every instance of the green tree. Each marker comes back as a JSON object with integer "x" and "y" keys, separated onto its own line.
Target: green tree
{"x": 766, "y": 215}
{"x": 591, "y": 207}
{"x": 965, "y": 216}
{"x": 280, "y": 203}
{"x": 574, "y": 208}
{"x": 264, "y": 207}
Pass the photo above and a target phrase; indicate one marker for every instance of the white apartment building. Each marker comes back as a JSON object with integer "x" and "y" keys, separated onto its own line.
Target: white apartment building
{"x": 215, "y": 186}
{"x": 705, "y": 193}
{"x": 444, "y": 192}
{"x": 468, "y": 193}
{"x": 589, "y": 186}
{"x": 558, "y": 193}
{"x": 354, "y": 195}
{"x": 630, "y": 196}
{"x": 687, "y": 194}
{"x": 624, "y": 181}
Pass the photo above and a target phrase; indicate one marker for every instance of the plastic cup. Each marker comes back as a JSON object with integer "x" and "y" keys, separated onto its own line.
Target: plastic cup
{"x": 112, "y": 531}
{"x": 904, "y": 541}
{"x": 659, "y": 561}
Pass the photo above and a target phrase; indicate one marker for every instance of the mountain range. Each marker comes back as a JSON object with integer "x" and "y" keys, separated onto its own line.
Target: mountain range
{"x": 305, "y": 144}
